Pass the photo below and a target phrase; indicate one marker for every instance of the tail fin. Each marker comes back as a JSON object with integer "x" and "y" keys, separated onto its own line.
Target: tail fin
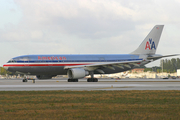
{"x": 150, "y": 43}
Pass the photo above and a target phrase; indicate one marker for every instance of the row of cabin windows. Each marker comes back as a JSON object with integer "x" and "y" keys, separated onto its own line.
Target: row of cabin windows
{"x": 13, "y": 61}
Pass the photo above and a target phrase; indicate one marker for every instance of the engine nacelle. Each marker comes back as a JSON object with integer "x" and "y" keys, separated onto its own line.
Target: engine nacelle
{"x": 44, "y": 76}
{"x": 76, "y": 73}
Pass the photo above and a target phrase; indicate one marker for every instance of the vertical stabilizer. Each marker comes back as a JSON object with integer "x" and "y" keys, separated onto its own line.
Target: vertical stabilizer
{"x": 150, "y": 43}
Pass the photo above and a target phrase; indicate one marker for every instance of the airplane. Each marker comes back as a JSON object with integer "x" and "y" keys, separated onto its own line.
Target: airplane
{"x": 79, "y": 66}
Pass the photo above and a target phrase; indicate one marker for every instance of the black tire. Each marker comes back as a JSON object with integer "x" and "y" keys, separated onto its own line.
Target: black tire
{"x": 72, "y": 80}
{"x": 95, "y": 80}
{"x": 24, "y": 80}
{"x": 92, "y": 80}
{"x": 89, "y": 80}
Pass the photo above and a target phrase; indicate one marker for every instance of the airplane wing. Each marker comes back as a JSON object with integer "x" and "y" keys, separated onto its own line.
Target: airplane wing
{"x": 120, "y": 64}
{"x": 110, "y": 65}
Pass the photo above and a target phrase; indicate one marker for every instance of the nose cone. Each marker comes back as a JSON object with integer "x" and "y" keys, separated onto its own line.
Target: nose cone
{"x": 5, "y": 66}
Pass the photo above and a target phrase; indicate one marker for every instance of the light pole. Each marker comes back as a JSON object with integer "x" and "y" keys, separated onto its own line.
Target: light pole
{"x": 162, "y": 65}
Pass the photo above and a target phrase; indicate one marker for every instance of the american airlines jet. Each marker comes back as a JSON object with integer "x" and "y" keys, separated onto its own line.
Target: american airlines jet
{"x": 79, "y": 66}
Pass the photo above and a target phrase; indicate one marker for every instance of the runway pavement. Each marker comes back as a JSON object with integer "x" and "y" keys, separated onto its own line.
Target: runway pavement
{"x": 103, "y": 84}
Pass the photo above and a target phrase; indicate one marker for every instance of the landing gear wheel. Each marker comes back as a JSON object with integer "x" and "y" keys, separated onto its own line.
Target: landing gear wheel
{"x": 92, "y": 80}
{"x": 89, "y": 80}
{"x": 95, "y": 80}
{"x": 24, "y": 80}
{"x": 72, "y": 80}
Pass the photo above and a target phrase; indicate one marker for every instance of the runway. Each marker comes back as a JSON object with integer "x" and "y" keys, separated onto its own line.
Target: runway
{"x": 103, "y": 84}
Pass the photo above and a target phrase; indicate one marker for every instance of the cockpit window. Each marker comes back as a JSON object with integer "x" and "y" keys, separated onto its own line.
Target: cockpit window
{"x": 20, "y": 59}
{"x": 11, "y": 61}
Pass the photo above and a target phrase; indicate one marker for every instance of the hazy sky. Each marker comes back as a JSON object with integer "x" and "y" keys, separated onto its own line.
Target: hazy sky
{"x": 85, "y": 26}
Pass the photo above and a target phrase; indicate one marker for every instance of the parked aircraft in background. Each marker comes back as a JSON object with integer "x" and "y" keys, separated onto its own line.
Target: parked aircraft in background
{"x": 79, "y": 66}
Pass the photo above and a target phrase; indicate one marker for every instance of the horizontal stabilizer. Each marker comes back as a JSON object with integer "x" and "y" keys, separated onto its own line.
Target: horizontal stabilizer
{"x": 158, "y": 57}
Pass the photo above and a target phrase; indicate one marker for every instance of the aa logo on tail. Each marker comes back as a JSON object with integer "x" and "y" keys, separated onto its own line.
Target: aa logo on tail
{"x": 150, "y": 44}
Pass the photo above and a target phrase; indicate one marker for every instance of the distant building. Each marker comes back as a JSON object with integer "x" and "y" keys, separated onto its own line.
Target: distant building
{"x": 137, "y": 70}
{"x": 178, "y": 72}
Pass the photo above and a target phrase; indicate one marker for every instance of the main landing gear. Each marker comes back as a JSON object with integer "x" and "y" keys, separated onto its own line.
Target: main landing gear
{"x": 92, "y": 79}
{"x": 88, "y": 80}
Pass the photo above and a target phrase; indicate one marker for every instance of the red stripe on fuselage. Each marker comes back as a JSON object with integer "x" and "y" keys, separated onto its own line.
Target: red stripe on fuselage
{"x": 24, "y": 65}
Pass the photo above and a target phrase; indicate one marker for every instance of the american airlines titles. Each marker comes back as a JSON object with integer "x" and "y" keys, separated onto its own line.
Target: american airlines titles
{"x": 52, "y": 58}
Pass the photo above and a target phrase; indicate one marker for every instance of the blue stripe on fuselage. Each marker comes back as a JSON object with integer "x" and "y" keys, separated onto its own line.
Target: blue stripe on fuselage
{"x": 76, "y": 58}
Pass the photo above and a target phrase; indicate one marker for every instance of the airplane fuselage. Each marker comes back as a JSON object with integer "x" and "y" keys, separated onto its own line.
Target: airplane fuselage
{"x": 55, "y": 64}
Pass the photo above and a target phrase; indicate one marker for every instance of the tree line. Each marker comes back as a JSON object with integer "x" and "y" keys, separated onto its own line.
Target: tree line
{"x": 170, "y": 65}
{"x": 4, "y": 71}
{"x": 167, "y": 65}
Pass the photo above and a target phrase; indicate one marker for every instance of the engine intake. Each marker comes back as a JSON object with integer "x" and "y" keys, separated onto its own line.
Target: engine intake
{"x": 77, "y": 73}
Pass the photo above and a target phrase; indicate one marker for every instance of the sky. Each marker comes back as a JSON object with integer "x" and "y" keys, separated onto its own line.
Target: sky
{"x": 86, "y": 26}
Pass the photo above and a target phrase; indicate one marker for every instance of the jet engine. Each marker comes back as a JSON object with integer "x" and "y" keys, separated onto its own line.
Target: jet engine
{"x": 76, "y": 73}
{"x": 44, "y": 76}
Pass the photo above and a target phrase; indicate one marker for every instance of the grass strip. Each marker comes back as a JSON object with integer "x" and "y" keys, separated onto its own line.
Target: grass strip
{"x": 90, "y": 104}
